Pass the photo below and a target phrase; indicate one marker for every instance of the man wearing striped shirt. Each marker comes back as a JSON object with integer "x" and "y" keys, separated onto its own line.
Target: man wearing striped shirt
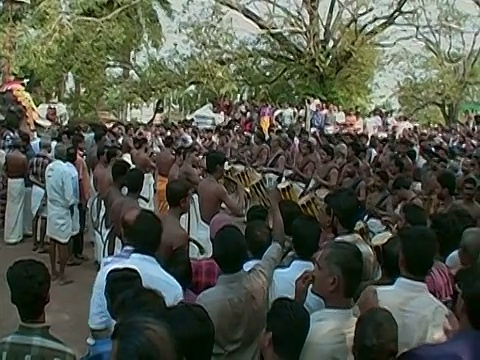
{"x": 29, "y": 283}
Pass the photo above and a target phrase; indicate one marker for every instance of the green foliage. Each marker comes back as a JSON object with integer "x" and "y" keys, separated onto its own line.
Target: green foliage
{"x": 447, "y": 71}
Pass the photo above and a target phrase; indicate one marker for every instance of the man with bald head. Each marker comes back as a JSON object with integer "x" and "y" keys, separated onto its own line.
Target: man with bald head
{"x": 61, "y": 200}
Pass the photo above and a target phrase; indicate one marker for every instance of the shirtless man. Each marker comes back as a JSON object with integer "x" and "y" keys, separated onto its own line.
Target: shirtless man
{"x": 16, "y": 169}
{"x": 102, "y": 178}
{"x": 163, "y": 163}
{"x": 141, "y": 158}
{"x": 468, "y": 202}
{"x": 304, "y": 167}
{"x": 211, "y": 194}
{"x": 174, "y": 237}
{"x": 118, "y": 173}
{"x": 187, "y": 172}
{"x": 175, "y": 169}
{"x": 261, "y": 150}
{"x": 133, "y": 180}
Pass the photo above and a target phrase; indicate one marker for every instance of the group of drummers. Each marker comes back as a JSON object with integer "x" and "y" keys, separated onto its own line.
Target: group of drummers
{"x": 229, "y": 171}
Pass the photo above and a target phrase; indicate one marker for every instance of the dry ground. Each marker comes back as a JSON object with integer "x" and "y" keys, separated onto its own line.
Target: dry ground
{"x": 68, "y": 308}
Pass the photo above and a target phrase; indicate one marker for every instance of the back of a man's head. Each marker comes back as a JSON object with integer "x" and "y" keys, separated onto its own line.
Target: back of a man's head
{"x": 376, "y": 336}
{"x": 306, "y": 233}
{"x": 418, "y": 250}
{"x": 139, "y": 301}
{"x": 29, "y": 283}
{"x": 230, "y": 249}
{"x": 257, "y": 212}
{"x": 214, "y": 160}
{"x": 177, "y": 190}
{"x": 193, "y": 331}
{"x": 143, "y": 231}
{"x": 118, "y": 282}
{"x": 119, "y": 170}
{"x": 134, "y": 179}
{"x": 288, "y": 323}
{"x": 290, "y": 210}
{"x": 258, "y": 237}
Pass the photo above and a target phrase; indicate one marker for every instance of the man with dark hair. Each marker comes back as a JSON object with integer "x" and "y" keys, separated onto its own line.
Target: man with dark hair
{"x": 174, "y": 236}
{"x": 193, "y": 331}
{"x": 212, "y": 194}
{"x": 336, "y": 278}
{"x": 409, "y": 297}
{"x": 257, "y": 212}
{"x": 469, "y": 189}
{"x": 114, "y": 198}
{"x": 465, "y": 342}
{"x": 448, "y": 184}
{"x": 259, "y": 238}
{"x": 287, "y": 328}
{"x": 238, "y": 302}
{"x": 29, "y": 283}
{"x": 142, "y": 231}
{"x": 412, "y": 215}
{"x": 306, "y": 233}
{"x": 61, "y": 202}
{"x": 290, "y": 211}
{"x": 343, "y": 206}
{"x": 376, "y": 336}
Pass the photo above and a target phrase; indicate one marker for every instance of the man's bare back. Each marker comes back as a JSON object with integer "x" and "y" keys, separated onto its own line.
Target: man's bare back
{"x": 164, "y": 162}
{"x": 209, "y": 200}
{"x": 174, "y": 237}
{"x": 102, "y": 179}
{"x": 189, "y": 174}
{"x": 16, "y": 164}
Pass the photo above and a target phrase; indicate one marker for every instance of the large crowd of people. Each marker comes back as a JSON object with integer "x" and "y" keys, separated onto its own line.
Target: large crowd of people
{"x": 195, "y": 264}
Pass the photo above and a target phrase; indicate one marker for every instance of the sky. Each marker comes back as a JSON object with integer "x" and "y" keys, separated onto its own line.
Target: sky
{"x": 385, "y": 80}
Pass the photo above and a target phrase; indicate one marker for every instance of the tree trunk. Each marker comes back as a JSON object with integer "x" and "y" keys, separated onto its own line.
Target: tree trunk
{"x": 450, "y": 113}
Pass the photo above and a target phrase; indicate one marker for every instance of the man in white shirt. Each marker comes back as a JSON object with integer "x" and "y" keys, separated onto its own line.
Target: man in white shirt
{"x": 337, "y": 276}
{"x": 306, "y": 233}
{"x": 142, "y": 232}
{"x": 420, "y": 316}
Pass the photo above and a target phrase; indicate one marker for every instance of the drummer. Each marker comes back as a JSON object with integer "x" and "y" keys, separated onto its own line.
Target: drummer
{"x": 212, "y": 194}
{"x": 305, "y": 164}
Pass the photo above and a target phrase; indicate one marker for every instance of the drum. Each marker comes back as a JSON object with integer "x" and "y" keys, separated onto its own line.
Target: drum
{"x": 310, "y": 205}
{"x": 258, "y": 193}
{"x": 287, "y": 191}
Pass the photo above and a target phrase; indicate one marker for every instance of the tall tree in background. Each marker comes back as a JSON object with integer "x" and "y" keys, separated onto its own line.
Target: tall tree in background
{"x": 447, "y": 68}
{"x": 327, "y": 48}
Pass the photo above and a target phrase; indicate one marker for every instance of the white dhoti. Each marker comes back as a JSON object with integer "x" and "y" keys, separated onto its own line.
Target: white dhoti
{"x": 75, "y": 220}
{"x": 148, "y": 193}
{"x": 36, "y": 205}
{"x": 13, "y": 232}
{"x": 197, "y": 230}
{"x": 59, "y": 223}
{"x": 27, "y": 212}
{"x": 97, "y": 215}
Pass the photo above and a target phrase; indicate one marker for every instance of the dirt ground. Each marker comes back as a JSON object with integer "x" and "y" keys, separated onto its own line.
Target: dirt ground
{"x": 67, "y": 312}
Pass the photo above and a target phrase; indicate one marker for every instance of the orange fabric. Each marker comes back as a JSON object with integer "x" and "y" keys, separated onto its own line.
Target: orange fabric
{"x": 162, "y": 205}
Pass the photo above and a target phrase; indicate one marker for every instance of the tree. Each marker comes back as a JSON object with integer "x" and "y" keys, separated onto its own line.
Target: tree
{"x": 448, "y": 67}
{"x": 94, "y": 43}
{"x": 329, "y": 52}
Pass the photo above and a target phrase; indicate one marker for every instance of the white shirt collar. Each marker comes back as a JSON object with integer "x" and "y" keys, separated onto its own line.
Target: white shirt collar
{"x": 405, "y": 284}
{"x": 332, "y": 314}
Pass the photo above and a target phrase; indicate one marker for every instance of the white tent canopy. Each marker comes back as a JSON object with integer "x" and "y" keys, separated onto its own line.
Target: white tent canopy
{"x": 205, "y": 117}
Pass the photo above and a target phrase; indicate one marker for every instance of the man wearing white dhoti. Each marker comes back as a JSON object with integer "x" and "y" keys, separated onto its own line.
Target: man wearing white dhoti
{"x": 29, "y": 152}
{"x": 61, "y": 202}
{"x": 70, "y": 164}
{"x": 37, "y": 167}
{"x": 16, "y": 169}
